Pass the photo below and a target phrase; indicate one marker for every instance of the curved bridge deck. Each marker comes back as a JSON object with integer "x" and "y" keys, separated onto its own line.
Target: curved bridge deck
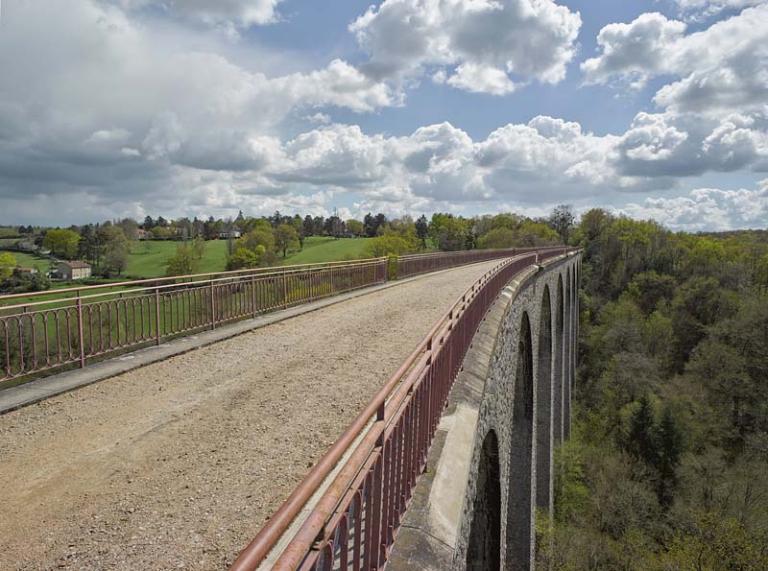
{"x": 178, "y": 464}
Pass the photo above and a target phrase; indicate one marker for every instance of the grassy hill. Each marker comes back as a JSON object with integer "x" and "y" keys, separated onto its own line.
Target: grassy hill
{"x": 148, "y": 259}
{"x": 32, "y": 261}
{"x": 318, "y": 249}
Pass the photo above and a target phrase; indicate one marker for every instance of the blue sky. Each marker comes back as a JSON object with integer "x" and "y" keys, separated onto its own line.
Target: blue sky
{"x": 114, "y": 108}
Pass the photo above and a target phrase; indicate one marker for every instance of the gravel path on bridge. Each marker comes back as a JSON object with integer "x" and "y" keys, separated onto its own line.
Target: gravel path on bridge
{"x": 177, "y": 465}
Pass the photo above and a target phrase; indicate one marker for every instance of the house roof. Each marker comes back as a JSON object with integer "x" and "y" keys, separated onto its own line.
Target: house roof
{"x": 76, "y": 264}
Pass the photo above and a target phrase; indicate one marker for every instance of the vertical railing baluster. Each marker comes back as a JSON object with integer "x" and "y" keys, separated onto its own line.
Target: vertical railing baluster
{"x": 80, "y": 329}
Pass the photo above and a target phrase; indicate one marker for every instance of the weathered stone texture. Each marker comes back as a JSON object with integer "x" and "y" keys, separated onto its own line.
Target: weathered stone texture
{"x": 515, "y": 384}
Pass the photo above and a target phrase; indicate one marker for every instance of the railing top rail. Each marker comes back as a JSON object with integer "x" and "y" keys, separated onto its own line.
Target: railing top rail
{"x": 516, "y": 250}
{"x": 278, "y": 524}
{"x": 162, "y": 282}
{"x": 151, "y": 283}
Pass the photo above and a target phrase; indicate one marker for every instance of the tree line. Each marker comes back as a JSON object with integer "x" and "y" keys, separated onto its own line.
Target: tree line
{"x": 666, "y": 467}
{"x": 262, "y": 241}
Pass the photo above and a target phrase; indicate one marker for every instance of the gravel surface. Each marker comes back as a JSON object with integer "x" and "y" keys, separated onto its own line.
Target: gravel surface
{"x": 177, "y": 465}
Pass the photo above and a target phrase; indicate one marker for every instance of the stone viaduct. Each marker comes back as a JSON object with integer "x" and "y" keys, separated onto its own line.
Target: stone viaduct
{"x": 490, "y": 470}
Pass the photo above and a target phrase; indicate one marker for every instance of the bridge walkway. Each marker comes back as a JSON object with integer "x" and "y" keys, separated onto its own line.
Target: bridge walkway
{"x": 178, "y": 464}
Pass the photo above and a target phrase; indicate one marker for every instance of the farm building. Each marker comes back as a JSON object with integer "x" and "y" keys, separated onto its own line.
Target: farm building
{"x": 75, "y": 270}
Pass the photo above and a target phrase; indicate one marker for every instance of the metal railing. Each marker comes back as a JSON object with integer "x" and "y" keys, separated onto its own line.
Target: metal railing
{"x": 70, "y": 327}
{"x": 414, "y": 264}
{"x": 46, "y": 331}
{"x": 354, "y": 522}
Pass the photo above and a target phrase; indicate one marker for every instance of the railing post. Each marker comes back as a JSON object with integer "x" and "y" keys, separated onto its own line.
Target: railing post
{"x": 253, "y": 296}
{"x": 213, "y": 308}
{"x": 79, "y": 329}
{"x": 285, "y": 289}
{"x": 157, "y": 316}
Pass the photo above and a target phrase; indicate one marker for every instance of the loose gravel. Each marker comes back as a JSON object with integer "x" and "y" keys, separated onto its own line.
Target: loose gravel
{"x": 178, "y": 464}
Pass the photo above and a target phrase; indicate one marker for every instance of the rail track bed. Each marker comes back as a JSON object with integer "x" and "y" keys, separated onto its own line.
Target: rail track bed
{"x": 178, "y": 464}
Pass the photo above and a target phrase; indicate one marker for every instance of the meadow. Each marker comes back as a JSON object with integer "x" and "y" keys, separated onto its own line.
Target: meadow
{"x": 32, "y": 261}
{"x": 148, "y": 259}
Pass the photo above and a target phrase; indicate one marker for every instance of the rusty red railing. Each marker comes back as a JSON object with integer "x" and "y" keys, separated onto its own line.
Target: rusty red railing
{"x": 48, "y": 330}
{"x": 414, "y": 264}
{"x": 45, "y": 331}
{"x": 355, "y": 519}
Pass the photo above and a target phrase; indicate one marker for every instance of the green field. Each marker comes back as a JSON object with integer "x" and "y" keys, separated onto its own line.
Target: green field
{"x": 148, "y": 259}
{"x": 31, "y": 261}
{"x": 318, "y": 249}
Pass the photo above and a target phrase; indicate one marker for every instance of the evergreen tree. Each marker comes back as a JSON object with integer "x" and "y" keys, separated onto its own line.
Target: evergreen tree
{"x": 670, "y": 448}
{"x": 640, "y": 440}
{"x": 422, "y": 230}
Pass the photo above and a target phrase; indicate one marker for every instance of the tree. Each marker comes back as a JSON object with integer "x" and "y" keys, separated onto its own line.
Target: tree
{"x": 561, "y": 221}
{"x": 307, "y": 226}
{"x": 318, "y": 223}
{"x": 243, "y": 257}
{"x": 497, "y": 238}
{"x": 374, "y": 225}
{"x": 183, "y": 262}
{"x": 130, "y": 228}
{"x": 286, "y": 238}
{"x": 7, "y": 265}
{"x": 334, "y": 226}
{"x": 198, "y": 247}
{"x": 389, "y": 244}
{"x": 162, "y": 232}
{"x": 640, "y": 441}
{"x": 62, "y": 242}
{"x": 369, "y": 225}
{"x": 697, "y": 304}
{"x": 670, "y": 449}
{"x": 380, "y": 222}
{"x": 355, "y": 227}
{"x": 116, "y": 250}
{"x": 148, "y": 223}
{"x": 650, "y": 288}
{"x": 449, "y": 232}
{"x": 422, "y": 230}
{"x": 88, "y": 247}
{"x": 255, "y": 248}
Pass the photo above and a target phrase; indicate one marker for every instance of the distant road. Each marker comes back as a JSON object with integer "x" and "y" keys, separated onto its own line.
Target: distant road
{"x": 177, "y": 464}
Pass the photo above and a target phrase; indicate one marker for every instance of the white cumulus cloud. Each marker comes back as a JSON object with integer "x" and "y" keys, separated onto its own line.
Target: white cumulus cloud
{"x": 721, "y": 69}
{"x": 483, "y": 45}
{"x": 707, "y": 209}
{"x": 241, "y": 13}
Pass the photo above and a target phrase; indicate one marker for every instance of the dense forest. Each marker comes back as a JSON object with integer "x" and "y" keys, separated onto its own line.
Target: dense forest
{"x": 667, "y": 467}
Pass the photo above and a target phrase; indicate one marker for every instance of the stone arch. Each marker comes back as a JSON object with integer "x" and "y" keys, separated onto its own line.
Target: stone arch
{"x": 576, "y": 277}
{"x": 559, "y": 363}
{"x": 521, "y": 486}
{"x": 484, "y": 549}
{"x": 544, "y": 404}
{"x": 567, "y": 353}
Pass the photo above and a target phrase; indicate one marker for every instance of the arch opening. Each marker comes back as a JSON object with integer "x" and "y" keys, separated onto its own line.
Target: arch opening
{"x": 557, "y": 382}
{"x": 568, "y": 354}
{"x": 484, "y": 549}
{"x": 544, "y": 428}
{"x": 521, "y": 486}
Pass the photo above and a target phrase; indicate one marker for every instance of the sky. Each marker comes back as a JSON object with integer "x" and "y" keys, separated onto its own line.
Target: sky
{"x": 114, "y": 108}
